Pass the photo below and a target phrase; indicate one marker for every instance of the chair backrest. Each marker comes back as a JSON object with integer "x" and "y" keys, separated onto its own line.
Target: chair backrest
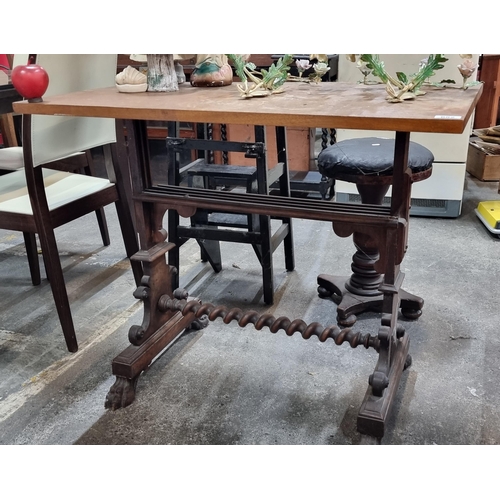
{"x": 54, "y": 137}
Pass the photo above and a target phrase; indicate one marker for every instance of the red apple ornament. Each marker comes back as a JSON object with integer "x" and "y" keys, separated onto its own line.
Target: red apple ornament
{"x": 31, "y": 81}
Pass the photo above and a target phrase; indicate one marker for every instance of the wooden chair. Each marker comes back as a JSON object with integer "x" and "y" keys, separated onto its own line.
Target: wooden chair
{"x": 46, "y": 193}
{"x": 209, "y": 228}
{"x": 11, "y": 158}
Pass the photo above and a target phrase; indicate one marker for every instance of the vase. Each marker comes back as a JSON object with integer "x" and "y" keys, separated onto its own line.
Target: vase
{"x": 162, "y": 76}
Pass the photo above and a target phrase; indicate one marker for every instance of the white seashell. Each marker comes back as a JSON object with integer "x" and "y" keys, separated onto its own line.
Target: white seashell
{"x": 131, "y": 76}
{"x": 130, "y": 88}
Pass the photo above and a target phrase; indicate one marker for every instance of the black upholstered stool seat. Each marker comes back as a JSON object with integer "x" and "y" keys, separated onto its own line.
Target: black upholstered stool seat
{"x": 368, "y": 162}
{"x": 371, "y": 156}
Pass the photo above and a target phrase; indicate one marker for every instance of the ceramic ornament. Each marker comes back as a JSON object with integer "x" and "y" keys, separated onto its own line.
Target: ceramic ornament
{"x": 131, "y": 80}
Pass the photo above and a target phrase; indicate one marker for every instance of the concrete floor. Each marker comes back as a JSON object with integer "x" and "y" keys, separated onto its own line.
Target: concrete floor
{"x": 227, "y": 385}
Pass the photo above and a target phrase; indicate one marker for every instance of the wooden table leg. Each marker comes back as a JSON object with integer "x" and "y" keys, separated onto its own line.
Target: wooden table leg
{"x": 159, "y": 329}
{"x": 394, "y": 341}
{"x": 393, "y": 359}
{"x": 374, "y": 410}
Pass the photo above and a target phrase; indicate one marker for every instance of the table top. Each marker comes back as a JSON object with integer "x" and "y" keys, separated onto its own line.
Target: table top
{"x": 324, "y": 105}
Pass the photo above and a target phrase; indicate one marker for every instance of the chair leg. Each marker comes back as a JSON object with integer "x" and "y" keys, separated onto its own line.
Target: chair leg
{"x": 103, "y": 226}
{"x": 54, "y": 272}
{"x": 265, "y": 254}
{"x": 125, "y": 210}
{"x": 32, "y": 254}
{"x": 101, "y": 216}
{"x": 288, "y": 248}
{"x": 209, "y": 249}
{"x": 129, "y": 238}
{"x": 174, "y": 253}
{"x": 360, "y": 292}
{"x": 284, "y": 189}
{"x": 268, "y": 277}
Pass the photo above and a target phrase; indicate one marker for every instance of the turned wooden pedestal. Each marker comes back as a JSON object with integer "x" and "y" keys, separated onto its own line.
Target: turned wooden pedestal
{"x": 360, "y": 292}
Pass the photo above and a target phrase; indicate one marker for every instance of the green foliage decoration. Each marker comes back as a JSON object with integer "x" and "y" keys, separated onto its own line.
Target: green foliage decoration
{"x": 404, "y": 87}
{"x": 261, "y": 83}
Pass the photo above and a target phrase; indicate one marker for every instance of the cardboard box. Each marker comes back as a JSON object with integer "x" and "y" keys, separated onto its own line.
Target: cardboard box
{"x": 483, "y": 165}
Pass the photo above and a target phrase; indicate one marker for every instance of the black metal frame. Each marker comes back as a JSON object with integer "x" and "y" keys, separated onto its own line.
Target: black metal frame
{"x": 209, "y": 228}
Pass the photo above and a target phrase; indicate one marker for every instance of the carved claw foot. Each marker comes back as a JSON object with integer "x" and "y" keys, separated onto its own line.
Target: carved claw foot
{"x": 411, "y": 313}
{"x": 200, "y": 323}
{"x": 324, "y": 293}
{"x": 347, "y": 322}
{"x": 121, "y": 393}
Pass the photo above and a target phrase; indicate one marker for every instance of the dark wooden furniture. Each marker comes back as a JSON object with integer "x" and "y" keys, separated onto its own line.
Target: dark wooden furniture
{"x": 368, "y": 162}
{"x": 487, "y": 110}
{"x": 8, "y": 95}
{"x": 329, "y": 105}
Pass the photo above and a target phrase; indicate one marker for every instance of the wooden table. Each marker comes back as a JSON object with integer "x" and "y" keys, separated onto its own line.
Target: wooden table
{"x": 328, "y": 105}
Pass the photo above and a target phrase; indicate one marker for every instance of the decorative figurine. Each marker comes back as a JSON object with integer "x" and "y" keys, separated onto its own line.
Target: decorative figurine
{"x": 131, "y": 80}
{"x": 211, "y": 70}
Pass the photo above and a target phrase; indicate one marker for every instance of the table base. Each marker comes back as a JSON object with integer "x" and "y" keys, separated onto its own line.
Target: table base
{"x": 383, "y": 383}
{"x": 128, "y": 365}
{"x": 374, "y": 411}
{"x": 167, "y": 312}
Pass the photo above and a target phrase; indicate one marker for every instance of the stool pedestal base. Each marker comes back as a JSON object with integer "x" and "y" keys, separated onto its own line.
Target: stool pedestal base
{"x": 360, "y": 292}
{"x": 350, "y": 304}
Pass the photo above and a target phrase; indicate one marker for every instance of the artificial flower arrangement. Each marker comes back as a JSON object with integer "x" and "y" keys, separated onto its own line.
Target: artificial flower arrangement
{"x": 260, "y": 83}
{"x": 404, "y": 86}
{"x": 320, "y": 68}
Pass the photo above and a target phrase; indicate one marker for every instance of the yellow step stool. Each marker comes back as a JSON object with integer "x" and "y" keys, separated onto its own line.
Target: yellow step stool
{"x": 488, "y": 213}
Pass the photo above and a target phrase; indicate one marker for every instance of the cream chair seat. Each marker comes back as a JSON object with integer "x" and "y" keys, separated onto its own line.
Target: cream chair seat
{"x": 60, "y": 189}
